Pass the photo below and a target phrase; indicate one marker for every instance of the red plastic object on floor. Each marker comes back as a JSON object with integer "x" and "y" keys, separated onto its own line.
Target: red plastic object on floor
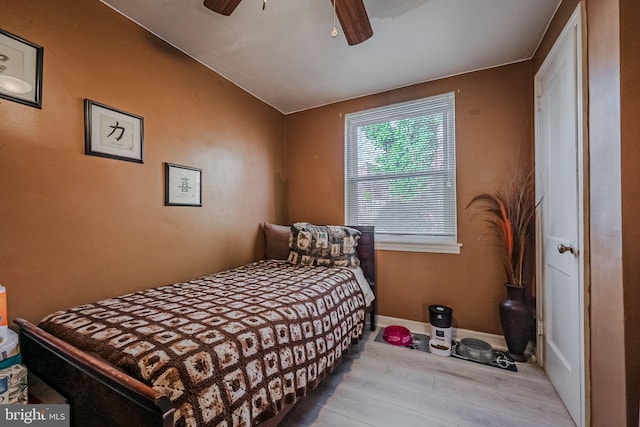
{"x": 397, "y": 335}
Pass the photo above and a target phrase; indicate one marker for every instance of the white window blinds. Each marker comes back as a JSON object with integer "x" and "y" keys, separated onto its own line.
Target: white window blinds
{"x": 400, "y": 170}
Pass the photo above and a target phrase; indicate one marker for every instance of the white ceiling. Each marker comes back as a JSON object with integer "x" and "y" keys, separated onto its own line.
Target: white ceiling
{"x": 285, "y": 55}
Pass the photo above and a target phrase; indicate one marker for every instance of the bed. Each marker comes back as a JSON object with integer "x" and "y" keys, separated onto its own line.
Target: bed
{"x": 238, "y": 347}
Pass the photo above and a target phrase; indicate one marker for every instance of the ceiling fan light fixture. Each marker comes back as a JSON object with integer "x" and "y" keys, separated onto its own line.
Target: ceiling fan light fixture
{"x": 354, "y": 20}
{"x": 352, "y": 15}
{"x": 223, "y": 7}
{"x": 334, "y": 31}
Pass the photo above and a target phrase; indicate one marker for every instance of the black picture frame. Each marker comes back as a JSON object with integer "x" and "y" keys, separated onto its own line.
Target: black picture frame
{"x": 20, "y": 70}
{"x": 113, "y": 133}
{"x": 182, "y": 185}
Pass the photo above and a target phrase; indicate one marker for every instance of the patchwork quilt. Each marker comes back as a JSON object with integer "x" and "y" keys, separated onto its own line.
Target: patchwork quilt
{"x": 228, "y": 349}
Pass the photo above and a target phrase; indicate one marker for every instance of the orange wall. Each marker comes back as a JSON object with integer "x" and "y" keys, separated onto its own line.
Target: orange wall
{"x": 607, "y": 307}
{"x": 493, "y": 132}
{"x": 630, "y": 155}
{"x": 614, "y": 66}
{"x": 74, "y": 228}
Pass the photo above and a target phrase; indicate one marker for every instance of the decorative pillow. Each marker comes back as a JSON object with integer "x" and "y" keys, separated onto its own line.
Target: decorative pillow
{"x": 328, "y": 245}
{"x": 276, "y": 241}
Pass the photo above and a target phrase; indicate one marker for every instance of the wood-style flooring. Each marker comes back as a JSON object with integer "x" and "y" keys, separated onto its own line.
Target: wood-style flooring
{"x": 378, "y": 384}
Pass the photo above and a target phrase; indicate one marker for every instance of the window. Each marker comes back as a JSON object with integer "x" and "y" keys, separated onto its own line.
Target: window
{"x": 400, "y": 174}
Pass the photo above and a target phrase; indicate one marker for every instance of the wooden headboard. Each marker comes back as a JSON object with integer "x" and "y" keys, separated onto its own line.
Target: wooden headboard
{"x": 367, "y": 255}
{"x": 366, "y": 251}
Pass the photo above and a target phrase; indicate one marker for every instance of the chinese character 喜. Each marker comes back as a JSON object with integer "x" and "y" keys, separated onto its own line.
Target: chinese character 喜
{"x": 184, "y": 187}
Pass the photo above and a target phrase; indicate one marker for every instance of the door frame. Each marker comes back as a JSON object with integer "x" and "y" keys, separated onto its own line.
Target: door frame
{"x": 575, "y": 23}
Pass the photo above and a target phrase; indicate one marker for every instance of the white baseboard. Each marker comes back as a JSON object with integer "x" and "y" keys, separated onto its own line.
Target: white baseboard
{"x": 496, "y": 341}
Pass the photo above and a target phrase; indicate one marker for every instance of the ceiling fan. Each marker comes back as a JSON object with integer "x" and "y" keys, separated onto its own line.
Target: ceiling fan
{"x": 351, "y": 14}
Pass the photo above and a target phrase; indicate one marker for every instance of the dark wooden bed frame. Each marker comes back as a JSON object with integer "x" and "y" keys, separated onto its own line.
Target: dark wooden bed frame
{"x": 101, "y": 395}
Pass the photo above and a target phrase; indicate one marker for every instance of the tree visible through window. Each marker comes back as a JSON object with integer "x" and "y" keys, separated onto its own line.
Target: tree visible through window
{"x": 400, "y": 170}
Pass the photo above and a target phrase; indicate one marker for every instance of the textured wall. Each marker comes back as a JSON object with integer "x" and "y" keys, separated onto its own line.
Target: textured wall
{"x": 630, "y": 155}
{"x": 74, "y": 228}
{"x": 607, "y": 301}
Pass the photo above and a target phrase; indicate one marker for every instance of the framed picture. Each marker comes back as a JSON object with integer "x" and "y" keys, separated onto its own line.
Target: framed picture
{"x": 182, "y": 185}
{"x": 112, "y": 133}
{"x": 20, "y": 70}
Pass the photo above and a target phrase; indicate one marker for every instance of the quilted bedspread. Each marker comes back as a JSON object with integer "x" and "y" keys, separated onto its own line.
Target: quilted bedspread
{"x": 230, "y": 348}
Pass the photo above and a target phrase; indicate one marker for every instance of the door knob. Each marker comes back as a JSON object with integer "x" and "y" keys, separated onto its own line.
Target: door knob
{"x": 562, "y": 249}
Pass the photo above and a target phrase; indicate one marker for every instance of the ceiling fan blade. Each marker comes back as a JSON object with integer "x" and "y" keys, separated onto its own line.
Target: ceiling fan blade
{"x": 223, "y": 7}
{"x": 354, "y": 20}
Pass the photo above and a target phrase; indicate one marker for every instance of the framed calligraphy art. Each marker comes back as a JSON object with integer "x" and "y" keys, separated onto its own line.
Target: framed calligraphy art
{"x": 112, "y": 133}
{"x": 20, "y": 70}
{"x": 182, "y": 185}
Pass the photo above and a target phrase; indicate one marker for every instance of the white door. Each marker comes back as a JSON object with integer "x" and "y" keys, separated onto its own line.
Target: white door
{"x": 559, "y": 175}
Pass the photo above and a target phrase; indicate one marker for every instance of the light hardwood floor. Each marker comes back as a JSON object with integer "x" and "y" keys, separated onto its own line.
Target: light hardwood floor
{"x": 378, "y": 384}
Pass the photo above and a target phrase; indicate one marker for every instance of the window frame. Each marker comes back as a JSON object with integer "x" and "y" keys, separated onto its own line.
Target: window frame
{"x": 399, "y": 241}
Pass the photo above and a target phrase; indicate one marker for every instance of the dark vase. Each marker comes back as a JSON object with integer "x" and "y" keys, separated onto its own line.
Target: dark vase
{"x": 516, "y": 319}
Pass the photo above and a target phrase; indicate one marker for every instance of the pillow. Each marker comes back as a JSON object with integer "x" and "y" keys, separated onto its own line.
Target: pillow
{"x": 276, "y": 241}
{"x": 328, "y": 245}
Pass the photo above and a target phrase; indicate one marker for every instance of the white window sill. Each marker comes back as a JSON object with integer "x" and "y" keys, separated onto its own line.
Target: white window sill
{"x": 407, "y": 246}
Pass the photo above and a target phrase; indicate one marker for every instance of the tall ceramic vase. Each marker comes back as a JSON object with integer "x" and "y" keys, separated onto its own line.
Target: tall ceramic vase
{"x": 516, "y": 319}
